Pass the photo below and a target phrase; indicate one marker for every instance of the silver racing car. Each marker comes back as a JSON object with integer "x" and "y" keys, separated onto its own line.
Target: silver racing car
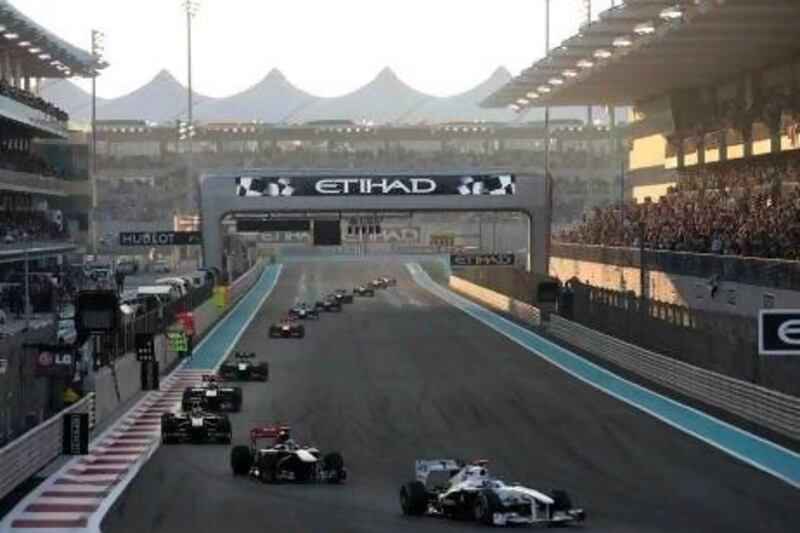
{"x": 468, "y": 492}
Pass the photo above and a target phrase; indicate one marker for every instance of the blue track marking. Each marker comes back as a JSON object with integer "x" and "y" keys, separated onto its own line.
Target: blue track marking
{"x": 756, "y": 451}
{"x": 219, "y": 342}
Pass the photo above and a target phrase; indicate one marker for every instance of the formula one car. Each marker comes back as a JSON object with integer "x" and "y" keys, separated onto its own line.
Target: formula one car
{"x": 302, "y": 311}
{"x": 195, "y": 426}
{"x": 213, "y": 396}
{"x": 470, "y": 493}
{"x": 329, "y": 304}
{"x": 364, "y": 290}
{"x": 383, "y": 282}
{"x": 287, "y": 327}
{"x": 243, "y": 368}
{"x": 342, "y": 296}
{"x": 283, "y": 460}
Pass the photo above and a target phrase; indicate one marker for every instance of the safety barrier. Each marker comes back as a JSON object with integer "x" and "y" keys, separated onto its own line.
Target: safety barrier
{"x": 770, "y": 409}
{"x": 25, "y": 456}
{"x": 499, "y": 302}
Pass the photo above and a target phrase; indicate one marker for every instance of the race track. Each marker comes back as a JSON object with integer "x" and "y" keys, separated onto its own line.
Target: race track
{"x": 404, "y": 376}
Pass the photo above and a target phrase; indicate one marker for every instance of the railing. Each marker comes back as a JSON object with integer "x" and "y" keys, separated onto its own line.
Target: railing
{"x": 499, "y": 302}
{"x": 156, "y": 321}
{"x": 776, "y": 273}
{"x": 770, "y": 409}
{"x": 23, "y": 457}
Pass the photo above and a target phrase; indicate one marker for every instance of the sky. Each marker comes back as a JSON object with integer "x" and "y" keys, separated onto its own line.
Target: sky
{"x": 325, "y": 47}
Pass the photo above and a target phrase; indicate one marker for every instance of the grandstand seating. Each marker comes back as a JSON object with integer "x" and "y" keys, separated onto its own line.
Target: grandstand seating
{"x": 747, "y": 207}
{"x": 33, "y": 101}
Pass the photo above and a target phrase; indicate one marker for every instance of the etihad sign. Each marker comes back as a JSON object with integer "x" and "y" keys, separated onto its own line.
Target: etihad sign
{"x": 375, "y": 186}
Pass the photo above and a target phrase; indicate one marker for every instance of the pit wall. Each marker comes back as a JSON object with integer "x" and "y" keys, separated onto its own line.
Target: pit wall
{"x": 110, "y": 394}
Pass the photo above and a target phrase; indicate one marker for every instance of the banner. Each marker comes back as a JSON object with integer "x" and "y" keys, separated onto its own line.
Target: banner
{"x": 479, "y": 260}
{"x": 75, "y": 434}
{"x": 276, "y": 186}
{"x": 779, "y": 332}
{"x": 160, "y": 238}
{"x": 55, "y": 361}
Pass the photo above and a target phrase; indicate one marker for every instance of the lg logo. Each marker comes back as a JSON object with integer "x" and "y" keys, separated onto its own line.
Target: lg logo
{"x": 779, "y": 332}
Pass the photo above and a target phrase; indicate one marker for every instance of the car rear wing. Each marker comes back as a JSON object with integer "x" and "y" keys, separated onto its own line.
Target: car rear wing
{"x": 267, "y": 432}
{"x": 205, "y": 378}
{"x": 424, "y": 467}
{"x": 244, "y": 355}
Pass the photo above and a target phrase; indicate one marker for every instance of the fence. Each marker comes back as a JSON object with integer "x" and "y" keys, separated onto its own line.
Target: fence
{"x": 26, "y": 455}
{"x": 768, "y": 408}
{"x": 774, "y": 273}
{"x": 500, "y": 302}
{"x": 724, "y": 343}
{"x": 155, "y": 321}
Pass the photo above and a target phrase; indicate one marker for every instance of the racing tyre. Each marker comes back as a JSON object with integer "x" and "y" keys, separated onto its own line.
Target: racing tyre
{"x": 237, "y": 400}
{"x": 334, "y": 465}
{"x": 486, "y": 504}
{"x": 241, "y": 460}
{"x": 413, "y": 498}
{"x": 561, "y": 500}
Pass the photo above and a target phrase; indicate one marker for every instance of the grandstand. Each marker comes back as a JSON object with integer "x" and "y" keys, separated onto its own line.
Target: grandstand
{"x": 144, "y": 160}
{"x": 44, "y": 204}
{"x": 713, "y": 136}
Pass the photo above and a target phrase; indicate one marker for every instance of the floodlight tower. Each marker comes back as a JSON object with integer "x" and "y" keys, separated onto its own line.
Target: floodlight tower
{"x": 98, "y": 49}
{"x": 191, "y": 7}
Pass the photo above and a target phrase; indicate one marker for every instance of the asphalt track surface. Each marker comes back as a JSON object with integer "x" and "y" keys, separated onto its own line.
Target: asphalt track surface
{"x": 405, "y": 376}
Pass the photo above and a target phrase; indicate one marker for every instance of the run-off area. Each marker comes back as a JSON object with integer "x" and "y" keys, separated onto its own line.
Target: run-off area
{"x": 405, "y": 376}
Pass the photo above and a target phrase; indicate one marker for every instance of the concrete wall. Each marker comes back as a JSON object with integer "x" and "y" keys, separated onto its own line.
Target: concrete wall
{"x": 691, "y": 291}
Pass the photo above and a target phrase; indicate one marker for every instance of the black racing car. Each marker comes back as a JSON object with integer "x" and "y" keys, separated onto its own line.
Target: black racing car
{"x": 302, "y": 311}
{"x": 329, "y": 304}
{"x": 242, "y": 367}
{"x": 212, "y": 396}
{"x": 343, "y": 297}
{"x": 283, "y": 460}
{"x": 364, "y": 290}
{"x": 287, "y": 328}
{"x": 195, "y": 426}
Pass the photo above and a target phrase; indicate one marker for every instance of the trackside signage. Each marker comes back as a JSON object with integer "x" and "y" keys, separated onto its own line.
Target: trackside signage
{"x": 481, "y": 260}
{"x": 160, "y": 238}
{"x": 779, "y": 332}
{"x": 277, "y": 186}
{"x": 75, "y": 434}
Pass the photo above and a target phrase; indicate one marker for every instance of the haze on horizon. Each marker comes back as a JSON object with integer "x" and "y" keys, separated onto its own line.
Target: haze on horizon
{"x": 327, "y": 48}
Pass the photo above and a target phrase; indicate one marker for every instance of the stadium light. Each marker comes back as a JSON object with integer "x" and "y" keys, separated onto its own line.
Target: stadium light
{"x": 569, "y": 73}
{"x": 34, "y": 50}
{"x": 585, "y": 63}
{"x": 523, "y": 101}
{"x": 544, "y": 89}
{"x": 532, "y": 95}
{"x": 671, "y": 13}
{"x": 514, "y": 107}
{"x": 622, "y": 41}
{"x": 24, "y": 44}
{"x": 11, "y": 36}
{"x": 45, "y": 57}
{"x": 602, "y": 53}
{"x": 555, "y": 80}
{"x": 645, "y": 28}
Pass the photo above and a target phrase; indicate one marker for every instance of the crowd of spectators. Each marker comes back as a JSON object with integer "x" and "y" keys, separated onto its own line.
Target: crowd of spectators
{"x": 32, "y": 100}
{"x": 748, "y": 208}
{"x": 15, "y": 226}
{"x": 26, "y": 162}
